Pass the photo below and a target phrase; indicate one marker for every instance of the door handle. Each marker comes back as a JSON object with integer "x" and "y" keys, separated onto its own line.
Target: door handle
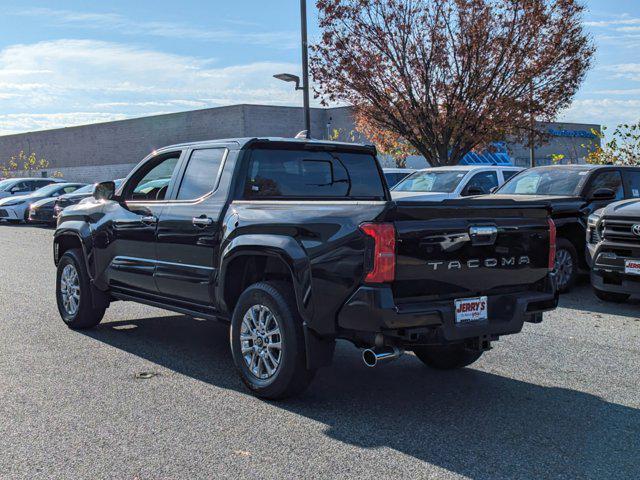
{"x": 202, "y": 221}
{"x": 149, "y": 220}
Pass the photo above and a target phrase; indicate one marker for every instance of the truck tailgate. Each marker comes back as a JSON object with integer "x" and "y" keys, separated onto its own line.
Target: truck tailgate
{"x": 468, "y": 247}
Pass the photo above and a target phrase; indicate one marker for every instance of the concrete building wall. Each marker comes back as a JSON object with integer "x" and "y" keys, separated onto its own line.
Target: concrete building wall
{"x": 105, "y": 151}
{"x": 573, "y": 140}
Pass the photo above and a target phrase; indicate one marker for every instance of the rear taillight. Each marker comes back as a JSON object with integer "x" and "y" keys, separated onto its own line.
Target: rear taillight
{"x": 384, "y": 253}
{"x": 552, "y": 244}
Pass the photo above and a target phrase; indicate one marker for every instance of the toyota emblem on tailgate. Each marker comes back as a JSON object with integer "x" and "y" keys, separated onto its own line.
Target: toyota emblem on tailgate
{"x": 636, "y": 229}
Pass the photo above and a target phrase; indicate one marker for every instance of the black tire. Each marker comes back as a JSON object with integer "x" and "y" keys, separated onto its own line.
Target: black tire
{"x": 85, "y": 315}
{"x": 446, "y": 357}
{"x": 567, "y": 269}
{"x": 614, "y": 297}
{"x": 291, "y": 375}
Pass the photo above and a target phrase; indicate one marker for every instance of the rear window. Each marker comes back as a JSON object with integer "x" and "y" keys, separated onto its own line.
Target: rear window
{"x": 312, "y": 174}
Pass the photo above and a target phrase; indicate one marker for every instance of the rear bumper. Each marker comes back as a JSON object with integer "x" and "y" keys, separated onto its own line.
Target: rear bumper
{"x": 372, "y": 309}
{"x": 608, "y": 272}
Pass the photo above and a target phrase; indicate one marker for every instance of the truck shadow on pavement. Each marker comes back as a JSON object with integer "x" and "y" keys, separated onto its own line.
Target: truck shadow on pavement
{"x": 582, "y": 298}
{"x": 470, "y": 422}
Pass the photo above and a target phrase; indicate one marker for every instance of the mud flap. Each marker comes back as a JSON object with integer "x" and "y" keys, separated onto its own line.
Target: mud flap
{"x": 319, "y": 350}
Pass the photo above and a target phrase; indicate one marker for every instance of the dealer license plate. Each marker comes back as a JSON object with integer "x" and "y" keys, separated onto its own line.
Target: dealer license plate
{"x": 471, "y": 309}
{"x": 632, "y": 267}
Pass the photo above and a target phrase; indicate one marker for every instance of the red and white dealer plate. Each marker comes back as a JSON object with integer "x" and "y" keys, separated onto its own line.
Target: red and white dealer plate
{"x": 471, "y": 309}
{"x": 632, "y": 267}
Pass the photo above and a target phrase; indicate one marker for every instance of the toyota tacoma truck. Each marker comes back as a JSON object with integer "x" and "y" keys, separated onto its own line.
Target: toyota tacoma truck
{"x": 297, "y": 243}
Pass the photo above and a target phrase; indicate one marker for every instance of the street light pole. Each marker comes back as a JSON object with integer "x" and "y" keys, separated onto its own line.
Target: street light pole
{"x": 305, "y": 67}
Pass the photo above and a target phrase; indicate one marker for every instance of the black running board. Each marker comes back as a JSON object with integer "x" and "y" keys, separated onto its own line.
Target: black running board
{"x": 199, "y": 311}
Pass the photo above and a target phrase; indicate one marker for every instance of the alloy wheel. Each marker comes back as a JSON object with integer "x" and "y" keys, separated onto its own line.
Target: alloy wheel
{"x": 70, "y": 289}
{"x": 563, "y": 267}
{"x": 261, "y": 342}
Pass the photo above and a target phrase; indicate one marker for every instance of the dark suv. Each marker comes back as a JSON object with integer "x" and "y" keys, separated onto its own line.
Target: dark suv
{"x": 573, "y": 192}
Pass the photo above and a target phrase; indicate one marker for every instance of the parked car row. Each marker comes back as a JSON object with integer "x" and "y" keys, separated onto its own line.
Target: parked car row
{"x": 573, "y": 193}
{"x": 40, "y": 200}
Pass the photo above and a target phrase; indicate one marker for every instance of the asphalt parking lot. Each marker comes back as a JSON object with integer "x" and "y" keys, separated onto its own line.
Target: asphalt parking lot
{"x": 560, "y": 400}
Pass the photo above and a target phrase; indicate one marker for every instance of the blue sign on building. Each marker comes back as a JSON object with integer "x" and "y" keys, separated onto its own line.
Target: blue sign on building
{"x": 571, "y": 133}
{"x": 497, "y": 155}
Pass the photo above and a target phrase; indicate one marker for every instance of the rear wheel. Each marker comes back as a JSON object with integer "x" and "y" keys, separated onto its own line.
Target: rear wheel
{"x": 73, "y": 292}
{"x": 611, "y": 296}
{"x": 267, "y": 341}
{"x": 566, "y": 265}
{"x": 446, "y": 357}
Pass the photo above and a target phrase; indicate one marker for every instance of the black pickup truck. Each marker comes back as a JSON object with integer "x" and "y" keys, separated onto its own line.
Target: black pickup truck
{"x": 573, "y": 192}
{"x": 297, "y": 243}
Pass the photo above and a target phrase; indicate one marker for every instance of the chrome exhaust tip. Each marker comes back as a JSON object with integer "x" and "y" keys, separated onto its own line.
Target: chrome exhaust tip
{"x": 373, "y": 356}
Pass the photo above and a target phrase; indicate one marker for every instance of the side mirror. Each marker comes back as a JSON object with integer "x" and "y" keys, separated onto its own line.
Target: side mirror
{"x": 15, "y": 189}
{"x": 104, "y": 191}
{"x": 473, "y": 191}
{"x": 493, "y": 189}
{"x": 603, "y": 194}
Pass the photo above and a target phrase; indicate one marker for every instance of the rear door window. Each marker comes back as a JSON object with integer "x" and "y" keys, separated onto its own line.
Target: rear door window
{"x": 313, "y": 174}
{"x": 201, "y": 174}
{"x": 632, "y": 183}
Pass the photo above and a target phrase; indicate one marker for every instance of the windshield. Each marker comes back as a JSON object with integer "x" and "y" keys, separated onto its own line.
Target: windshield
{"x": 546, "y": 181}
{"x": 442, "y": 181}
{"x": 46, "y": 191}
{"x": 6, "y": 184}
{"x": 85, "y": 189}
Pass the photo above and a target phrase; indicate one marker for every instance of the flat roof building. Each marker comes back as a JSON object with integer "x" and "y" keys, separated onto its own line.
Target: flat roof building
{"x": 109, "y": 150}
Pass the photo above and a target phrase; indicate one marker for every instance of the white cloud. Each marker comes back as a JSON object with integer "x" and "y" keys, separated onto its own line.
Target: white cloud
{"x": 26, "y": 122}
{"x": 604, "y": 111}
{"x": 619, "y": 91}
{"x": 124, "y": 25}
{"x": 614, "y": 22}
{"x": 107, "y": 81}
{"x": 629, "y": 71}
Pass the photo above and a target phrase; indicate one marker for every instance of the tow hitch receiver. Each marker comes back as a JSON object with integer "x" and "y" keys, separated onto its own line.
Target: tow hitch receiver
{"x": 479, "y": 344}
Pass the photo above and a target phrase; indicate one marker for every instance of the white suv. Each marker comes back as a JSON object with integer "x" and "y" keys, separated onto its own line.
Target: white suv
{"x": 440, "y": 183}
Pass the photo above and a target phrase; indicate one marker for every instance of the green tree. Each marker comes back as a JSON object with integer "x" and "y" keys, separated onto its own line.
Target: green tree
{"x": 622, "y": 149}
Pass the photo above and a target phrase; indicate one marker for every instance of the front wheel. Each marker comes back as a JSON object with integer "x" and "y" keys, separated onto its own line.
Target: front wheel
{"x": 446, "y": 357}
{"x": 611, "y": 296}
{"x": 267, "y": 341}
{"x": 73, "y": 292}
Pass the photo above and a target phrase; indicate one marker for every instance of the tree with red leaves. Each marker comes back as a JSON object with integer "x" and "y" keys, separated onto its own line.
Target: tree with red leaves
{"x": 445, "y": 77}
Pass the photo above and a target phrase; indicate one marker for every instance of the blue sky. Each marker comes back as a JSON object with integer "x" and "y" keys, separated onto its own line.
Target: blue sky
{"x": 75, "y": 62}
